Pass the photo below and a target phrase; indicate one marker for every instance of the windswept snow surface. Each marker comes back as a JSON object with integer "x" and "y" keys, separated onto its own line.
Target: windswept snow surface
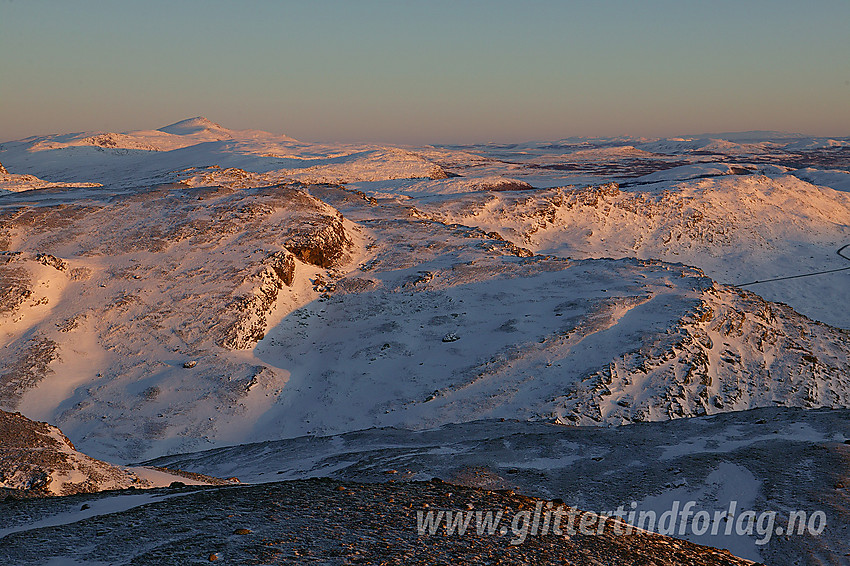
{"x": 771, "y": 460}
{"x": 210, "y": 292}
{"x": 739, "y": 228}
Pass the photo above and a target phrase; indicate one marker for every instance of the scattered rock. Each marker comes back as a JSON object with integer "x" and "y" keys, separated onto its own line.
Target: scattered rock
{"x": 36, "y": 459}
{"x": 376, "y": 525}
{"x": 52, "y": 261}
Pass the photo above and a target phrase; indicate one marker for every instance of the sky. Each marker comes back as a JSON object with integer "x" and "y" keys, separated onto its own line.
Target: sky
{"x": 430, "y": 71}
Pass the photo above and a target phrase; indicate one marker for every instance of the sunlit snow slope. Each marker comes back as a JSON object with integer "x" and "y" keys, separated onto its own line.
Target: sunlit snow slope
{"x": 194, "y": 286}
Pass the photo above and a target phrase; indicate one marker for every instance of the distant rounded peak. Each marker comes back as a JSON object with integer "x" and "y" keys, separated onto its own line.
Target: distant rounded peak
{"x": 192, "y": 126}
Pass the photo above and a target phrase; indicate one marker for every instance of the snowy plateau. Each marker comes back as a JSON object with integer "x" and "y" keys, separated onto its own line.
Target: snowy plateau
{"x": 599, "y": 321}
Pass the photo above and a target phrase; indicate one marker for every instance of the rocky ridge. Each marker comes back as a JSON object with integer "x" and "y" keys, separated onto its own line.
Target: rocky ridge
{"x": 38, "y": 460}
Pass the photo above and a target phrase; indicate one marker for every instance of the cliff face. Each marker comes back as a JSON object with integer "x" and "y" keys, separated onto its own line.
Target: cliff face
{"x": 244, "y": 319}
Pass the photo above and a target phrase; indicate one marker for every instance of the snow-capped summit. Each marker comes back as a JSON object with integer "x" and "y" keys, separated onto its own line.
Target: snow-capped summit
{"x": 193, "y": 126}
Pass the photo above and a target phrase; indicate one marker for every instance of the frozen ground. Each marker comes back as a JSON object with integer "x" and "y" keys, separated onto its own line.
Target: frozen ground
{"x": 319, "y": 522}
{"x": 780, "y": 460}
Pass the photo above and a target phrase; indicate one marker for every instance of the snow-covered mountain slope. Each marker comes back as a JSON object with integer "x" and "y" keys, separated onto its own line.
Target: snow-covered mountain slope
{"x": 737, "y": 228}
{"x": 192, "y": 287}
{"x": 755, "y": 458}
{"x": 162, "y": 320}
{"x": 196, "y": 299}
{"x": 834, "y": 179}
{"x": 195, "y": 126}
{"x": 122, "y": 308}
{"x": 10, "y": 182}
{"x": 158, "y": 156}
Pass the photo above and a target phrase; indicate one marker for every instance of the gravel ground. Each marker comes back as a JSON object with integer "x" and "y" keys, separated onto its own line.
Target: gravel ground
{"x": 324, "y": 521}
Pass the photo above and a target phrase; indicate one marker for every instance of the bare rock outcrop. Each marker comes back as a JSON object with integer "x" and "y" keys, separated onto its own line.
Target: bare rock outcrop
{"x": 38, "y": 460}
{"x": 247, "y": 312}
{"x": 733, "y": 351}
{"x": 323, "y": 243}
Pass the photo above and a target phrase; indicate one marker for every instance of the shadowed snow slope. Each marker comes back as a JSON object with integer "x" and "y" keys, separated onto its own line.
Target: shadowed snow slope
{"x": 755, "y": 458}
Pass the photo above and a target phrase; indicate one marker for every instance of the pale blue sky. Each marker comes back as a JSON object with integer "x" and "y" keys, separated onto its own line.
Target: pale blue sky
{"x": 429, "y": 71}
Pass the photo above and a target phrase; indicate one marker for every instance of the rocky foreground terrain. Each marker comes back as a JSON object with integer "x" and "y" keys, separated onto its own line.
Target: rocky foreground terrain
{"x": 323, "y": 522}
{"x": 770, "y": 460}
